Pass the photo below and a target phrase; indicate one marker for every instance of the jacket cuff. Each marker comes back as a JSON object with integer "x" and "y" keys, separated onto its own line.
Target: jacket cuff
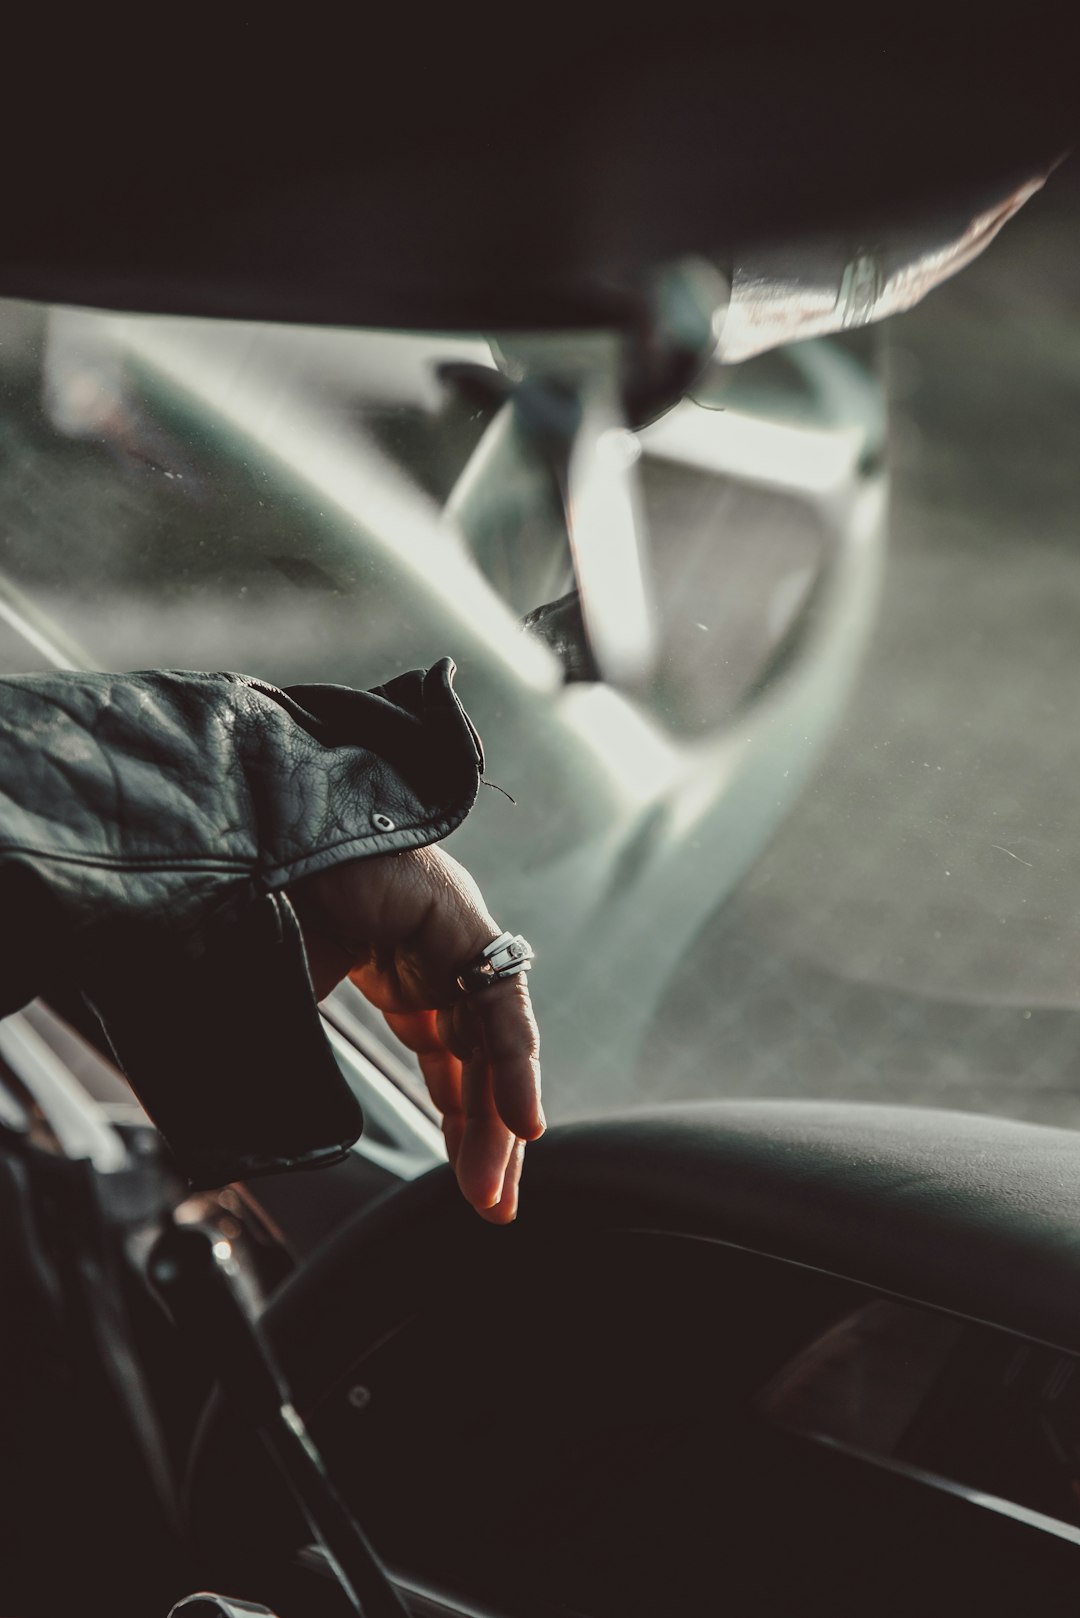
{"x": 225, "y": 1048}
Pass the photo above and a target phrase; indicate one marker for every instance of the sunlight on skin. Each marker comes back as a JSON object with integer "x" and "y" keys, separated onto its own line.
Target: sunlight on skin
{"x": 401, "y": 926}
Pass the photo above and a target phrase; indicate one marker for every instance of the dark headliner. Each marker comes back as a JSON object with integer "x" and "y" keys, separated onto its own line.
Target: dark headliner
{"x": 438, "y": 174}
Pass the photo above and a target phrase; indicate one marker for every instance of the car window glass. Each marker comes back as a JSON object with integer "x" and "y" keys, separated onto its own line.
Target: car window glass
{"x": 813, "y": 837}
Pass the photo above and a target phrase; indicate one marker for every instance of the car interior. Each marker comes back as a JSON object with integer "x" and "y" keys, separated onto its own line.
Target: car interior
{"x": 775, "y": 1331}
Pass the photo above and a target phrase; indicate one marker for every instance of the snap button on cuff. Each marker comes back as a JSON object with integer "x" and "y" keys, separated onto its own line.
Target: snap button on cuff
{"x": 382, "y": 822}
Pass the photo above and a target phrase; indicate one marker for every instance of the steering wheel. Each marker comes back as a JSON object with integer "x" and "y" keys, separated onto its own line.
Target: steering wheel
{"x": 567, "y": 1416}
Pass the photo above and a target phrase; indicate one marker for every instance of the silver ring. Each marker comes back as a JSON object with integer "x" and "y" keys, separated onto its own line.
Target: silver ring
{"x": 505, "y": 957}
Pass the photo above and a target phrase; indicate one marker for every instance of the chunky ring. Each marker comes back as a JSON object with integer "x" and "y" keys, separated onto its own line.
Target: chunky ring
{"x": 504, "y": 957}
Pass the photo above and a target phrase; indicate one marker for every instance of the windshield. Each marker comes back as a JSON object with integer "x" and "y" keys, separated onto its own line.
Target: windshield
{"x": 792, "y": 784}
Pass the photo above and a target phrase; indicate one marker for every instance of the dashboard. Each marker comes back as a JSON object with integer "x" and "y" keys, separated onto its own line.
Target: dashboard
{"x": 624, "y": 1406}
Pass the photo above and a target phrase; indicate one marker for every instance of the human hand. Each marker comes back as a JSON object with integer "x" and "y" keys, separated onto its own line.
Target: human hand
{"x": 402, "y": 926}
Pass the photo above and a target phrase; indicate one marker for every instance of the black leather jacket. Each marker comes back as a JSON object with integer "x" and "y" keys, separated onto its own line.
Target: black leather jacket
{"x": 149, "y": 825}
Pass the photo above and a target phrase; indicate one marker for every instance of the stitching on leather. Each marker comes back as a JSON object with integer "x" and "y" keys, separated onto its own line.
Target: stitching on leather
{"x": 395, "y": 841}
{"x": 403, "y": 831}
{"x": 151, "y": 862}
{"x": 434, "y": 831}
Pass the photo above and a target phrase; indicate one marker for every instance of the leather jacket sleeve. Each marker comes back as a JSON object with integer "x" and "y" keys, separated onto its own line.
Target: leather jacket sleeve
{"x": 149, "y": 824}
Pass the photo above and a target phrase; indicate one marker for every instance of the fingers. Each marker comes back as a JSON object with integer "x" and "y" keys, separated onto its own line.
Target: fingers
{"x": 420, "y": 1031}
{"x": 505, "y": 1210}
{"x": 490, "y": 1157}
{"x": 486, "y": 1143}
{"x": 512, "y": 1045}
{"x": 484, "y": 1153}
{"x": 501, "y": 1020}
{"x": 415, "y": 919}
